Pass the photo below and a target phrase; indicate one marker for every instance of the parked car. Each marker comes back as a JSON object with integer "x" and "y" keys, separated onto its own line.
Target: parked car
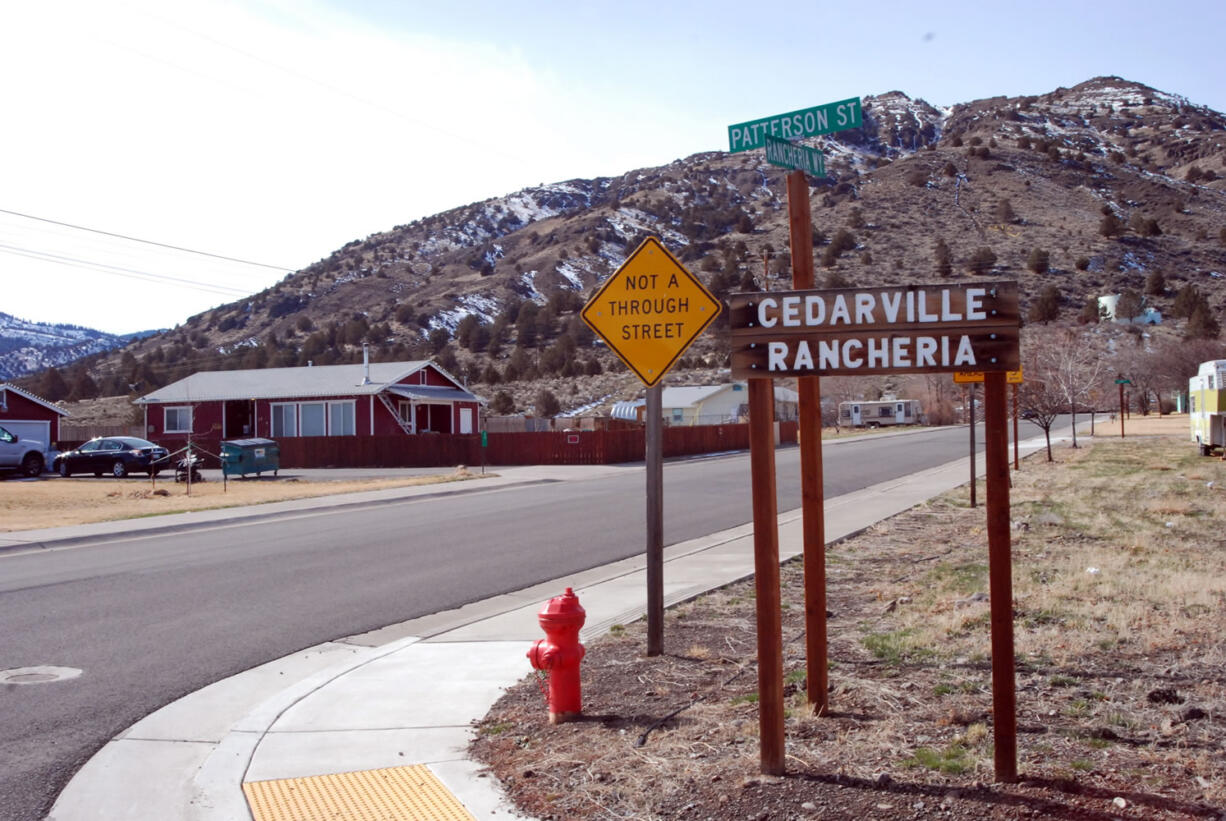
{"x": 116, "y": 455}
{"x": 25, "y": 455}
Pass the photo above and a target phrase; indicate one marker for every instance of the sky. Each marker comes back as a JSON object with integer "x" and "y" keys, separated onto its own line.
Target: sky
{"x": 162, "y": 158}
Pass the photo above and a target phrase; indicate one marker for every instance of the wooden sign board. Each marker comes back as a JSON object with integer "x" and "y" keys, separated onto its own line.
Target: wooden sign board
{"x": 865, "y": 331}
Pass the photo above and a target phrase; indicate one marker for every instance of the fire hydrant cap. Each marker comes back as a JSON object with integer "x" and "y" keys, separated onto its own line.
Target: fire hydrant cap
{"x": 563, "y": 608}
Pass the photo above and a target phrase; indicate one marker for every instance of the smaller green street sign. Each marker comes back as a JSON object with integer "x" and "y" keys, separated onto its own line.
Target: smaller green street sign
{"x": 1123, "y": 381}
{"x": 807, "y": 122}
{"x": 790, "y": 155}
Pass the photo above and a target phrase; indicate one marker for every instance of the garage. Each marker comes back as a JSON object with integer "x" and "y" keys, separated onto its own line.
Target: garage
{"x": 29, "y": 416}
{"x": 38, "y": 431}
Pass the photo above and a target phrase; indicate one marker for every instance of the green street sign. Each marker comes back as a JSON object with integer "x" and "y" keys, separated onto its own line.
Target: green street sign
{"x": 790, "y": 155}
{"x": 807, "y": 122}
{"x": 1123, "y": 381}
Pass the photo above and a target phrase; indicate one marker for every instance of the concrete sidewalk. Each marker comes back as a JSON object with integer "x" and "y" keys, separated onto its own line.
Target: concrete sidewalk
{"x": 406, "y": 694}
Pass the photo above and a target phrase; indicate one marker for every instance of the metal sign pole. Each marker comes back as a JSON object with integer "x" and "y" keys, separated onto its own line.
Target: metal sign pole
{"x": 1000, "y": 578}
{"x": 655, "y": 521}
{"x": 1016, "y": 462}
{"x": 766, "y": 575}
{"x": 970, "y": 404}
{"x": 813, "y": 524}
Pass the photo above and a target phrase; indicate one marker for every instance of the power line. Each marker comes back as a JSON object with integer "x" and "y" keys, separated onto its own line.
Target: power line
{"x": 146, "y": 241}
{"x": 116, "y": 270}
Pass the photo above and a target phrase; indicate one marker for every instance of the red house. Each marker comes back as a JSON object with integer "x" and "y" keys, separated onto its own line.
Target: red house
{"x": 370, "y": 399}
{"x": 29, "y": 416}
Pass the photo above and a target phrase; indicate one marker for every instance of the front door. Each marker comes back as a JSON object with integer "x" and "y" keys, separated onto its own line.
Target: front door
{"x": 466, "y": 420}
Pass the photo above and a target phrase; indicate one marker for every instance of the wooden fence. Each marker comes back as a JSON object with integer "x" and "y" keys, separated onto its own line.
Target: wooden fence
{"x": 591, "y": 447}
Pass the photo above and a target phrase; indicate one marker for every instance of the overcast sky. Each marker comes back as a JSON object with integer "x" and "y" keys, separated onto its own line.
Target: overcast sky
{"x": 275, "y": 131}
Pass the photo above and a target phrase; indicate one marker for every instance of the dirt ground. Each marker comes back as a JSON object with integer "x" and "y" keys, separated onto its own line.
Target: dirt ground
{"x": 26, "y": 505}
{"x": 1119, "y": 583}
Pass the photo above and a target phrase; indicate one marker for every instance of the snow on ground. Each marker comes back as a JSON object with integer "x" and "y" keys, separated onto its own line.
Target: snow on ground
{"x": 580, "y": 411}
{"x": 479, "y": 305}
{"x": 573, "y": 273}
{"x": 528, "y": 278}
{"x": 630, "y": 222}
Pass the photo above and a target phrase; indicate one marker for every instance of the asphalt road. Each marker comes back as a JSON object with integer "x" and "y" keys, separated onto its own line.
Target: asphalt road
{"x": 152, "y": 618}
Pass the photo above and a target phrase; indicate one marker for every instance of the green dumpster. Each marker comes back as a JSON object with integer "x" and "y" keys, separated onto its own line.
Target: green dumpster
{"x": 242, "y": 456}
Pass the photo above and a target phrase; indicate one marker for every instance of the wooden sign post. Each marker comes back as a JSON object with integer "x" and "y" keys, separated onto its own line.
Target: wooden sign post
{"x": 812, "y": 494}
{"x": 866, "y": 331}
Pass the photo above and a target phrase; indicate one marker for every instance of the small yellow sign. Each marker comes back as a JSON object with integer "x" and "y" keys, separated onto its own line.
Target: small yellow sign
{"x": 966, "y": 377}
{"x": 650, "y": 310}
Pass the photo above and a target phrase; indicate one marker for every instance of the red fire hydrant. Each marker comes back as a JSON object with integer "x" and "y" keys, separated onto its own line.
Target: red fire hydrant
{"x": 559, "y": 655}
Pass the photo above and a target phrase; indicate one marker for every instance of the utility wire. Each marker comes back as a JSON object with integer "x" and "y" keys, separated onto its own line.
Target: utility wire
{"x": 116, "y": 270}
{"x": 146, "y": 241}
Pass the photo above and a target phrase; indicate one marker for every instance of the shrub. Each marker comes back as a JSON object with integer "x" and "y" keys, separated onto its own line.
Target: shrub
{"x": 1047, "y": 306}
{"x": 1090, "y": 312}
{"x": 1201, "y": 324}
{"x": 982, "y": 261}
{"x": 1155, "y": 284}
{"x": 1111, "y": 226}
{"x": 502, "y": 403}
{"x": 547, "y": 405}
{"x": 942, "y": 257}
{"x": 1004, "y": 212}
{"x": 1038, "y": 261}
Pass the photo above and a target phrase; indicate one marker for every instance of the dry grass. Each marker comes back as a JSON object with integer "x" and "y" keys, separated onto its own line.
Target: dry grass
{"x": 58, "y": 502}
{"x": 1119, "y": 581}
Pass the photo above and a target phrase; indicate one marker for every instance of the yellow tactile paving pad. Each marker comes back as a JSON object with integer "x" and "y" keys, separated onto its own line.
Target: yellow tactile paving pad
{"x": 393, "y": 794}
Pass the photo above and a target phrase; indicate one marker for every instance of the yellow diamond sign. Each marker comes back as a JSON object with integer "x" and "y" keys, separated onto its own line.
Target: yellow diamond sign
{"x": 650, "y": 310}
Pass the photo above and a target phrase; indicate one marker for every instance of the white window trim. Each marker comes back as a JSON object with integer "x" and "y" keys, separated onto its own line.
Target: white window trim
{"x": 166, "y": 428}
{"x": 272, "y": 415}
{"x": 323, "y": 406}
{"x": 328, "y": 415}
{"x": 297, "y": 416}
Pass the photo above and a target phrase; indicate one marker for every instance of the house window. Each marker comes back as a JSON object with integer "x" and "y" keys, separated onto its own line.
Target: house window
{"x": 284, "y": 420}
{"x": 341, "y": 419}
{"x": 311, "y": 419}
{"x": 178, "y": 419}
{"x": 678, "y": 415}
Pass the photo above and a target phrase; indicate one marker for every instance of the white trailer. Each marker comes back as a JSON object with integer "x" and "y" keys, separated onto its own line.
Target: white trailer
{"x": 1207, "y": 405}
{"x": 880, "y": 413}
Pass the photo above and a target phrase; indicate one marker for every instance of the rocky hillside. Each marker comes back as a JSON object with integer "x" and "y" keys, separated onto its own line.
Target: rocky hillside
{"x": 1107, "y": 187}
{"x": 31, "y": 347}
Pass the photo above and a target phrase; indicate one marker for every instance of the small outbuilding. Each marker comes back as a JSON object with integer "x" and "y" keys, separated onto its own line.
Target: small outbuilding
{"x": 368, "y": 399}
{"x": 29, "y": 416}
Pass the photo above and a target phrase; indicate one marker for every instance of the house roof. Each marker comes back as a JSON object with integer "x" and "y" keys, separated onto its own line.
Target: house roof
{"x": 46, "y": 403}
{"x": 285, "y": 383}
{"x": 689, "y": 397}
{"x": 434, "y": 392}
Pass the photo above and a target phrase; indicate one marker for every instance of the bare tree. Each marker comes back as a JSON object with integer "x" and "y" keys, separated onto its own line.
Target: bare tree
{"x": 1064, "y": 367}
{"x": 1177, "y": 361}
{"x": 1039, "y": 400}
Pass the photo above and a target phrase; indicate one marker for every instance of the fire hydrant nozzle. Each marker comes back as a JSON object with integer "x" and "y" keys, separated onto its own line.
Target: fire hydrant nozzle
{"x": 559, "y": 655}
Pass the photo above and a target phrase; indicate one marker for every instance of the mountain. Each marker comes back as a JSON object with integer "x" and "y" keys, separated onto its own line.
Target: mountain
{"x": 29, "y": 347}
{"x": 1106, "y": 187}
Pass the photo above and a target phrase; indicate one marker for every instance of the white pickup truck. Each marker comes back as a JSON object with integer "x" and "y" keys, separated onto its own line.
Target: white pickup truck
{"x": 25, "y": 455}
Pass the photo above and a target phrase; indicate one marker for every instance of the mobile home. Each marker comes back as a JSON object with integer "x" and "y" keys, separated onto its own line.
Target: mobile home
{"x": 879, "y": 413}
{"x": 1207, "y": 405}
